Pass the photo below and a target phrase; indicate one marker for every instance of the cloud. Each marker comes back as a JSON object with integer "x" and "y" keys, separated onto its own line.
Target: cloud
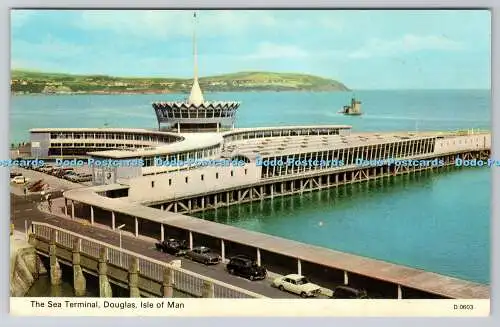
{"x": 19, "y": 17}
{"x": 406, "y": 44}
{"x": 267, "y": 50}
{"x": 162, "y": 23}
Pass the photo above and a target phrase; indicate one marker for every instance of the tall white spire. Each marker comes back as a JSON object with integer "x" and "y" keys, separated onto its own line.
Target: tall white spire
{"x": 196, "y": 96}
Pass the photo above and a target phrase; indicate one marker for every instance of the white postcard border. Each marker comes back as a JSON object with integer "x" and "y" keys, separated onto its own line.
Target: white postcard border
{"x": 126, "y": 321}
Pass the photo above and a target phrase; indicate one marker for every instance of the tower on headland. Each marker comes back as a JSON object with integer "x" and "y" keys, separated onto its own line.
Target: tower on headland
{"x": 195, "y": 114}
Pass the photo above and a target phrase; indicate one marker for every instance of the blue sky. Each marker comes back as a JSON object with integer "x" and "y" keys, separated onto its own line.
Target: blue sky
{"x": 364, "y": 49}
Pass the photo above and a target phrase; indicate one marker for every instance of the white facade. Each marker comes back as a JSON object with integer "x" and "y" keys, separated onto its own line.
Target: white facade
{"x": 190, "y": 182}
{"x": 466, "y": 142}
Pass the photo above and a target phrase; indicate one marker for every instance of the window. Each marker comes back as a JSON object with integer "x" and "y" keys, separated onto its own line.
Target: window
{"x": 217, "y": 175}
{"x": 169, "y": 182}
{"x": 232, "y": 173}
{"x": 186, "y": 179}
{"x": 246, "y": 171}
{"x": 152, "y": 184}
{"x": 202, "y": 176}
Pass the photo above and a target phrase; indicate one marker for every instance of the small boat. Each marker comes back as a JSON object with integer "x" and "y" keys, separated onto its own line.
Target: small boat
{"x": 353, "y": 110}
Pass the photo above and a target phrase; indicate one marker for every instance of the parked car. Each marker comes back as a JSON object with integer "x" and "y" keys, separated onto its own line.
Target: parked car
{"x": 20, "y": 180}
{"x": 13, "y": 174}
{"x": 297, "y": 284}
{"x": 173, "y": 246}
{"x": 204, "y": 255}
{"x": 47, "y": 169}
{"x": 347, "y": 292}
{"x": 244, "y": 266}
{"x": 60, "y": 172}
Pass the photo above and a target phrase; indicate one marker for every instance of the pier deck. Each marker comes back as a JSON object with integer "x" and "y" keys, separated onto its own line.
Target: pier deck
{"x": 445, "y": 286}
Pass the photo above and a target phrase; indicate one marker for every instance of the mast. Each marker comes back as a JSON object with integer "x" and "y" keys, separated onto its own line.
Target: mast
{"x": 196, "y": 96}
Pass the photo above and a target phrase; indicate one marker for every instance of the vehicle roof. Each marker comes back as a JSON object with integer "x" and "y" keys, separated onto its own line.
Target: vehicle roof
{"x": 242, "y": 256}
{"x": 294, "y": 276}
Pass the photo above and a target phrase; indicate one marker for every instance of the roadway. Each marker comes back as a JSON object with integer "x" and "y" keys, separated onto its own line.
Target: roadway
{"x": 25, "y": 209}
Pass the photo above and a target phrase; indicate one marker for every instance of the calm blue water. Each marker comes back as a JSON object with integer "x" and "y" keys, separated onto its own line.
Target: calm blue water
{"x": 435, "y": 222}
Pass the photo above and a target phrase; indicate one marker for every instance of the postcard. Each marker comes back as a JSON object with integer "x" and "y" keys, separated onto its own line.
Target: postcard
{"x": 301, "y": 162}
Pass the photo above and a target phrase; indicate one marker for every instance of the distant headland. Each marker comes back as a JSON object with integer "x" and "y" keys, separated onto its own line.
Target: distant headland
{"x": 33, "y": 82}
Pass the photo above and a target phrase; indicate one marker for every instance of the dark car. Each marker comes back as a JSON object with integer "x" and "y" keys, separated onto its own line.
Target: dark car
{"x": 204, "y": 255}
{"x": 12, "y": 174}
{"x": 347, "y": 292}
{"x": 245, "y": 267}
{"x": 173, "y": 246}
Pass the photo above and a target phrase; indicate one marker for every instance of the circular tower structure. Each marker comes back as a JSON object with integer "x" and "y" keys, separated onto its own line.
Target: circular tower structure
{"x": 195, "y": 114}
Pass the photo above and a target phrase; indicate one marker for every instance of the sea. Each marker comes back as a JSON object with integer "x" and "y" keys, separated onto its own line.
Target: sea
{"x": 436, "y": 222}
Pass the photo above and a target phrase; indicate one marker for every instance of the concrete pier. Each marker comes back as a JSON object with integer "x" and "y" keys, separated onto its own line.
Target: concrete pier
{"x": 55, "y": 269}
{"x": 133, "y": 278}
{"x": 79, "y": 282}
{"x": 168, "y": 283}
{"x": 104, "y": 286}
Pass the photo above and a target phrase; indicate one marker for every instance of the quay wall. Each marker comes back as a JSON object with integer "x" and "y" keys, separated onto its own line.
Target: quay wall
{"x": 113, "y": 265}
{"x": 25, "y": 265}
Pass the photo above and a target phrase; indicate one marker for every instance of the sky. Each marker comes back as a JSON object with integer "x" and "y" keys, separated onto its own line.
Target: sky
{"x": 364, "y": 49}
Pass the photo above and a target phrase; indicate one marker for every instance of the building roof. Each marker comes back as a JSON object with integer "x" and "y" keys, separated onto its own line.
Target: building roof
{"x": 191, "y": 142}
{"x": 286, "y": 145}
{"x": 105, "y": 129}
{"x": 276, "y": 128}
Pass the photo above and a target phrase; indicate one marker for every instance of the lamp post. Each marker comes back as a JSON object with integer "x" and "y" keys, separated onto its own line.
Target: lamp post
{"x": 120, "y": 233}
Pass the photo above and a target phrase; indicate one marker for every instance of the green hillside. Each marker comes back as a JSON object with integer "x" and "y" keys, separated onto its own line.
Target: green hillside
{"x": 25, "y": 81}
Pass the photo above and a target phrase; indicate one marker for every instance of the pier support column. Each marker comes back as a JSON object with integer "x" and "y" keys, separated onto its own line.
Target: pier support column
{"x": 133, "y": 278}
{"x": 55, "y": 269}
{"x": 190, "y": 240}
{"x": 162, "y": 232}
{"x": 72, "y": 209}
{"x": 258, "y": 257}
{"x": 162, "y": 207}
{"x": 222, "y": 250}
{"x": 136, "y": 227}
{"x": 37, "y": 262}
{"x": 207, "y": 290}
{"x": 104, "y": 286}
{"x": 299, "y": 267}
{"x": 113, "y": 220}
{"x": 203, "y": 202}
{"x": 65, "y": 206}
{"x": 178, "y": 128}
{"x": 272, "y": 191}
{"x": 168, "y": 282}
{"x": 346, "y": 278}
{"x": 400, "y": 292}
{"x": 91, "y": 215}
{"x": 79, "y": 282}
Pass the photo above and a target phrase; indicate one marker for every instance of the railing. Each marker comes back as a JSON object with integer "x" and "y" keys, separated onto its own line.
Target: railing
{"x": 183, "y": 280}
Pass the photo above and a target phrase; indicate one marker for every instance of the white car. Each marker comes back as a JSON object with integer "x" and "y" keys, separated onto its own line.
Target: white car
{"x": 297, "y": 284}
{"x": 20, "y": 180}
